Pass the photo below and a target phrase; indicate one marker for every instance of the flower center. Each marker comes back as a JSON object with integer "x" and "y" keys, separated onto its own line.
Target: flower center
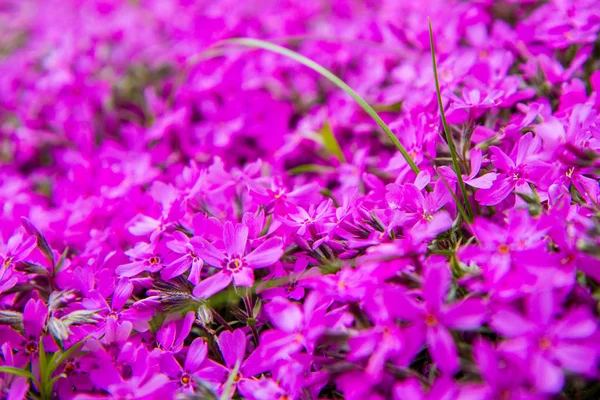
{"x": 427, "y": 216}
{"x": 30, "y": 347}
{"x": 154, "y": 260}
{"x": 70, "y": 366}
{"x": 185, "y": 380}
{"x": 568, "y": 259}
{"x": 569, "y": 172}
{"x": 545, "y": 343}
{"x": 234, "y": 264}
{"x": 298, "y": 339}
{"x": 430, "y": 320}
{"x": 503, "y": 248}
{"x": 8, "y": 261}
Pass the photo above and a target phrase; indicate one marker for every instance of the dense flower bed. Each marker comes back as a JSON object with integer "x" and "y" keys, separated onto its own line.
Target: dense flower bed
{"x": 183, "y": 217}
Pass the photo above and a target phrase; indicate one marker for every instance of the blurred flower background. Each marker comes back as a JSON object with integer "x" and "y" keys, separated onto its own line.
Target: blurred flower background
{"x": 184, "y": 216}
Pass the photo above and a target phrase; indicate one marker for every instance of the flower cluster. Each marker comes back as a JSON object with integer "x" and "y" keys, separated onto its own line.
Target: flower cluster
{"x": 185, "y": 219}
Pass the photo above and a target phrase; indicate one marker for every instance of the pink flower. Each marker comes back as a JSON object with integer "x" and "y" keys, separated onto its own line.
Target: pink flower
{"x": 434, "y": 318}
{"x": 234, "y": 262}
{"x": 516, "y": 172}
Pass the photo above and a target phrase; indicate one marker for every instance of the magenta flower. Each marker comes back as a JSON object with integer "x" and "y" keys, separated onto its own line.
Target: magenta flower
{"x": 380, "y": 344}
{"x": 297, "y": 327}
{"x": 13, "y": 386}
{"x": 140, "y": 381}
{"x": 281, "y": 200}
{"x": 442, "y": 389}
{"x": 500, "y": 379}
{"x": 485, "y": 181}
{"x": 147, "y": 257}
{"x": 196, "y": 366}
{"x": 117, "y": 310}
{"x": 303, "y": 220}
{"x": 516, "y": 172}
{"x": 172, "y": 334}
{"x": 234, "y": 264}
{"x": 472, "y": 98}
{"x": 232, "y": 346}
{"x": 189, "y": 259}
{"x": 435, "y": 318}
{"x": 422, "y": 212}
{"x": 503, "y": 247}
{"x": 545, "y": 344}
{"x": 35, "y": 316}
{"x": 15, "y": 250}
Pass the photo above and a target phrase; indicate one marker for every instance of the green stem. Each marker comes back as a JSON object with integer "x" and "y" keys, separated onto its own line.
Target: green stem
{"x": 455, "y": 165}
{"x": 261, "y": 44}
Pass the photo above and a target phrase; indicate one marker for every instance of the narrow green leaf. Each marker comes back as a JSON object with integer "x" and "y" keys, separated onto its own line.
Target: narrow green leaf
{"x": 69, "y": 352}
{"x": 455, "y": 166}
{"x": 459, "y": 206}
{"x": 229, "y": 384}
{"x": 261, "y": 44}
{"x": 302, "y": 169}
{"x": 394, "y": 107}
{"x": 63, "y": 257}
{"x": 17, "y": 371}
{"x": 330, "y": 142}
{"x": 43, "y": 359}
{"x": 56, "y": 378}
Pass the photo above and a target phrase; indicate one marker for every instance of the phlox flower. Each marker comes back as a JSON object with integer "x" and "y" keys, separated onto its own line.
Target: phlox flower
{"x": 234, "y": 262}
{"x": 515, "y": 172}
{"x": 435, "y": 318}
{"x": 545, "y": 344}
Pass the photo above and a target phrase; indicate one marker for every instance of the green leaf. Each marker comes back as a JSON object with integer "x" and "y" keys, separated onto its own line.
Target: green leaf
{"x": 261, "y": 44}
{"x": 455, "y": 166}
{"x": 43, "y": 359}
{"x": 459, "y": 206}
{"x": 229, "y": 384}
{"x": 17, "y": 371}
{"x": 156, "y": 322}
{"x": 330, "y": 142}
{"x": 394, "y": 107}
{"x": 46, "y": 370}
{"x": 68, "y": 353}
{"x": 63, "y": 257}
{"x": 302, "y": 169}
{"x": 56, "y": 378}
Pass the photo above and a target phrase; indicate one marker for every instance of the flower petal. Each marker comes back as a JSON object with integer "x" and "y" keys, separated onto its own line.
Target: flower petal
{"x": 196, "y": 355}
{"x": 232, "y": 346}
{"x": 547, "y": 377}
{"x": 235, "y": 238}
{"x": 436, "y": 285}
{"x": 510, "y": 324}
{"x": 266, "y": 254}
{"x": 285, "y": 315}
{"x": 212, "y": 285}
{"x": 244, "y": 277}
{"x": 442, "y": 349}
{"x": 465, "y": 315}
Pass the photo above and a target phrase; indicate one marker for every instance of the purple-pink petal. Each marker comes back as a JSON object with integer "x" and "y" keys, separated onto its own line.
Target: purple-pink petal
{"x": 212, "y": 285}
{"x": 266, "y": 254}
